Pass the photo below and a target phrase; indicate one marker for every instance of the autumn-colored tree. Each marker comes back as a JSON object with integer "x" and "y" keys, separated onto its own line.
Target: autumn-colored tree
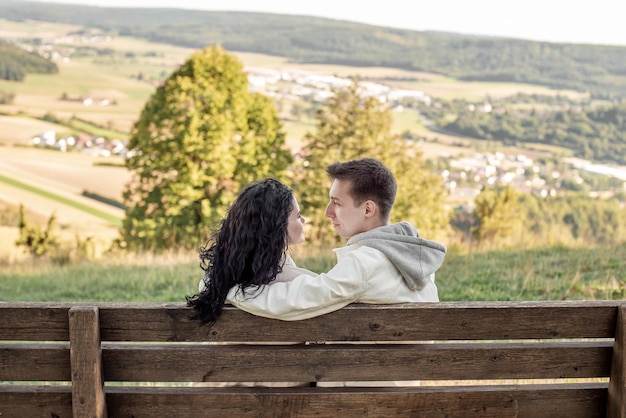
{"x": 353, "y": 126}
{"x": 199, "y": 140}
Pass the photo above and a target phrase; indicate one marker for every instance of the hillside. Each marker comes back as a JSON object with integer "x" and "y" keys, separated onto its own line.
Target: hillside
{"x": 598, "y": 70}
{"x": 124, "y": 70}
{"x": 15, "y": 63}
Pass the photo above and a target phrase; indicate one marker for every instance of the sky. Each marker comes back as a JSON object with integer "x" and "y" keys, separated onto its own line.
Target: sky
{"x": 562, "y": 21}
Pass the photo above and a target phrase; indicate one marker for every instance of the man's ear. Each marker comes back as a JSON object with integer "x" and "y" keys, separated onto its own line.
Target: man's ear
{"x": 371, "y": 209}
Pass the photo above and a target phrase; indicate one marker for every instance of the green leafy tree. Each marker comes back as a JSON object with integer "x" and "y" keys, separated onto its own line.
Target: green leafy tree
{"x": 421, "y": 193}
{"x": 594, "y": 220}
{"x": 497, "y": 210}
{"x": 200, "y": 138}
{"x": 353, "y": 126}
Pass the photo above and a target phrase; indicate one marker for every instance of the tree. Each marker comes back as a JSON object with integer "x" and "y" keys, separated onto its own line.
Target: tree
{"x": 36, "y": 240}
{"x": 353, "y": 126}
{"x": 200, "y": 138}
{"x": 497, "y": 210}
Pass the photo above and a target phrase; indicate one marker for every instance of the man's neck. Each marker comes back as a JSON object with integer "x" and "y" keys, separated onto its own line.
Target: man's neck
{"x": 377, "y": 223}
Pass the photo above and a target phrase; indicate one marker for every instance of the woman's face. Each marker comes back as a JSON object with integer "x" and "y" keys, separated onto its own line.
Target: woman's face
{"x": 295, "y": 226}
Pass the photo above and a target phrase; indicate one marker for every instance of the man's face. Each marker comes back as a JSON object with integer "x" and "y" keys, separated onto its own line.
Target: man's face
{"x": 348, "y": 219}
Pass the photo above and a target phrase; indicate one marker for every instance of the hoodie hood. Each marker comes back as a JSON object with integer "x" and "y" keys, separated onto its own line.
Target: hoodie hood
{"x": 414, "y": 257}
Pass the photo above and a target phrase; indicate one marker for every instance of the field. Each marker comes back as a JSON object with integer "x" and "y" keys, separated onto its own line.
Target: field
{"x": 65, "y": 176}
{"x": 127, "y": 76}
{"x": 538, "y": 274}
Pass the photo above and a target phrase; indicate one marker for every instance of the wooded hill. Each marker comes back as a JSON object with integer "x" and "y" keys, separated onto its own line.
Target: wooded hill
{"x": 600, "y": 70}
{"x": 597, "y": 132}
{"x": 15, "y": 63}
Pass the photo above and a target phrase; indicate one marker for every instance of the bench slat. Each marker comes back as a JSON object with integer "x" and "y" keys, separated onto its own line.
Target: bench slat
{"x": 357, "y": 362}
{"x": 22, "y": 362}
{"x": 35, "y": 401}
{"x": 34, "y": 322}
{"x": 582, "y": 401}
{"x": 426, "y": 321}
{"x": 415, "y": 322}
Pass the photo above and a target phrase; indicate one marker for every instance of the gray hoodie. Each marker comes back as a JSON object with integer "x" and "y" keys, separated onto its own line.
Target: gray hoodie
{"x": 414, "y": 257}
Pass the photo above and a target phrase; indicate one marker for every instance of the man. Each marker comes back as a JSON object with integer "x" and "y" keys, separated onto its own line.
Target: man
{"x": 381, "y": 263}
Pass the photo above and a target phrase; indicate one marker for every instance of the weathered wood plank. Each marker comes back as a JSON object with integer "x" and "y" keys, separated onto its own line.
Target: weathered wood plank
{"x": 415, "y": 322}
{"x": 35, "y": 401}
{"x": 22, "y": 362}
{"x": 617, "y": 387}
{"x": 582, "y": 401}
{"x": 34, "y": 321}
{"x": 86, "y": 363}
{"x": 357, "y": 362}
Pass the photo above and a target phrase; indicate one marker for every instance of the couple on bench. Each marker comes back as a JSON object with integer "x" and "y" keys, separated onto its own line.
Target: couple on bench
{"x": 247, "y": 262}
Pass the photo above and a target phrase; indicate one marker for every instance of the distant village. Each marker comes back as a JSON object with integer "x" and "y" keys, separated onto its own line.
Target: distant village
{"x": 464, "y": 178}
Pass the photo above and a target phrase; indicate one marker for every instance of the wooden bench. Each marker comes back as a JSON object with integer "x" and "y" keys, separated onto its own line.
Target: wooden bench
{"x": 500, "y": 359}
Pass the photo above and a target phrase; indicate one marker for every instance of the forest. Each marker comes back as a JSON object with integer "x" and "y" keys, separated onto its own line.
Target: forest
{"x": 596, "y": 133}
{"x": 15, "y": 63}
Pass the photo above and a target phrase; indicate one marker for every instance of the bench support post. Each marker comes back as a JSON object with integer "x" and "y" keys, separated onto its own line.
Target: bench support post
{"x": 86, "y": 363}
{"x": 616, "y": 407}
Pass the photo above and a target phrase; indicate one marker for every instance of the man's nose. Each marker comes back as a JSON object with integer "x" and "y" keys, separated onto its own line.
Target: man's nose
{"x": 328, "y": 212}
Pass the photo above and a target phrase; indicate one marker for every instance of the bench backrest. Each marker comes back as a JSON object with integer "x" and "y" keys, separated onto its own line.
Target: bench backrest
{"x": 522, "y": 359}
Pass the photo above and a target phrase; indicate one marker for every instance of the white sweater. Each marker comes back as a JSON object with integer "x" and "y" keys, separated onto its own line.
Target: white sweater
{"x": 362, "y": 274}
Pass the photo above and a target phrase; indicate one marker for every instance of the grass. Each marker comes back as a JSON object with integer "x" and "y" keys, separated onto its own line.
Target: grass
{"x": 92, "y": 282}
{"x": 507, "y": 275}
{"x": 149, "y": 278}
{"x": 401, "y": 122}
{"x": 94, "y": 130}
{"x": 449, "y": 88}
{"x": 406, "y": 121}
{"x": 77, "y": 78}
{"x": 41, "y": 93}
{"x": 554, "y": 273}
{"x": 32, "y": 29}
{"x": 114, "y": 220}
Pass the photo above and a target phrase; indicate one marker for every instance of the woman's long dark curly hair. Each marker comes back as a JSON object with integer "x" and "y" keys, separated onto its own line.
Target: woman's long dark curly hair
{"x": 249, "y": 248}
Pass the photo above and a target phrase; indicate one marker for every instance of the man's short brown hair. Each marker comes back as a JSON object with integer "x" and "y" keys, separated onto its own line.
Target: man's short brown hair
{"x": 370, "y": 180}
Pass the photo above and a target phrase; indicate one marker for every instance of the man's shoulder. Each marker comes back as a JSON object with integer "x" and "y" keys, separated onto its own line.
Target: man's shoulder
{"x": 361, "y": 251}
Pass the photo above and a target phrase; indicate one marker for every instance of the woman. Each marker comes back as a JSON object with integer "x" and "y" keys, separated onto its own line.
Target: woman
{"x": 249, "y": 250}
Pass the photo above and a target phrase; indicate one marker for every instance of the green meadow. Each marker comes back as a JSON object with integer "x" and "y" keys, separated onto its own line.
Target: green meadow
{"x": 504, "y": 275}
